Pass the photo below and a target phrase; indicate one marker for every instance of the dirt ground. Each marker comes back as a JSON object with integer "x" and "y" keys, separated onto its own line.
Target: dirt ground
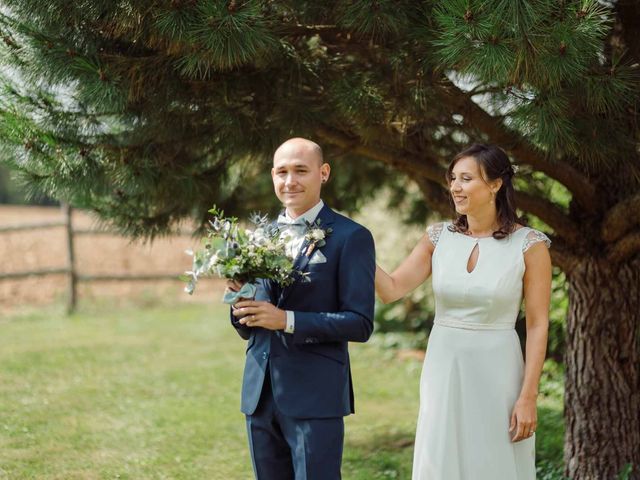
{"x": 95, "y": 254}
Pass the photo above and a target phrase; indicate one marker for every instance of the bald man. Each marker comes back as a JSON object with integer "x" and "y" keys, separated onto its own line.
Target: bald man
{"x": 297, "y": 378}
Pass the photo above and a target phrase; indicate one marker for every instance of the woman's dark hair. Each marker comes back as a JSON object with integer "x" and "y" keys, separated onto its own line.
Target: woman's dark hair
{"x": 494, "y": 164}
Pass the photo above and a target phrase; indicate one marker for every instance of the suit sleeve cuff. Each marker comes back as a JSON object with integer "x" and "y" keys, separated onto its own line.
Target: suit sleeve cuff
{"x": 291, "y": 322}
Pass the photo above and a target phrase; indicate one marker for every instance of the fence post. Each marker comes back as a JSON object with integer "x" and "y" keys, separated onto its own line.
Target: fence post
{"x": 73, "y": 278}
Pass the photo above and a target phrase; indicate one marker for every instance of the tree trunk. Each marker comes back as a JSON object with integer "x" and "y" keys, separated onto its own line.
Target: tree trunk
{"x": 602, "y": 390}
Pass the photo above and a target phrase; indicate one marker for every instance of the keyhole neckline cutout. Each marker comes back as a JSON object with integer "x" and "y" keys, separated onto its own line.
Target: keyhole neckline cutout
{"x": 474, "y": 250}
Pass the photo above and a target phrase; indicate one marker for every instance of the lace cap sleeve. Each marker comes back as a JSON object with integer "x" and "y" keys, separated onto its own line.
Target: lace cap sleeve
{"x": 434, "y": 231}
{"x": 533, "y": 237}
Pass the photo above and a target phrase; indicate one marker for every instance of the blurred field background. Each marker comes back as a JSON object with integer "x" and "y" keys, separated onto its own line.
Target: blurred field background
{"x": 95, "y": 254}
{"x": 143, "y": 382}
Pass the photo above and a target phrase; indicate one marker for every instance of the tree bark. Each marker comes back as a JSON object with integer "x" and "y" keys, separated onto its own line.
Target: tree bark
{"x": 602, "y": 385}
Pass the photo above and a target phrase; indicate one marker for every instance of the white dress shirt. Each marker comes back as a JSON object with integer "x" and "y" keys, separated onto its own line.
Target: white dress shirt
{"x": 293, "y": 247}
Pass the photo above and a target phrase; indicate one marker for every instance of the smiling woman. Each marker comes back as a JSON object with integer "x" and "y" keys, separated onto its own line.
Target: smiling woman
{"x": 481, "y": 188}
{"x": 477, "y": 397}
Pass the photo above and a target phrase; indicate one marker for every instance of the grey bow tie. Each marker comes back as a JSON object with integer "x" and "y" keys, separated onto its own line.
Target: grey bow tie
{"x": 284, "y": 221}
{"x": 297, "y": 226}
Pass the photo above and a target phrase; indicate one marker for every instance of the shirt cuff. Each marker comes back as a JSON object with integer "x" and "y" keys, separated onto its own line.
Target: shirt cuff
{"x": 291, "y": 322}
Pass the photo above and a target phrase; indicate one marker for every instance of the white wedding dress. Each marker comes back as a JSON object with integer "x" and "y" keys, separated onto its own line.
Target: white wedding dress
{"x": 473, "y": 369}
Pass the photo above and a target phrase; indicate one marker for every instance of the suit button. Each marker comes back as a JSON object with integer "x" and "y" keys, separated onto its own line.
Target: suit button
{"x": 310, "y": 340}
{"x": 265, "y": 355}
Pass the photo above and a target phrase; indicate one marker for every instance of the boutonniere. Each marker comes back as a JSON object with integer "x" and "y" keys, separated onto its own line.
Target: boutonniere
{"x": 316, "y": 236}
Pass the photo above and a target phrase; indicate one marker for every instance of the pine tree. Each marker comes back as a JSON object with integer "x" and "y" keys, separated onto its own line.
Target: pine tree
{"x": 149, "y": 111}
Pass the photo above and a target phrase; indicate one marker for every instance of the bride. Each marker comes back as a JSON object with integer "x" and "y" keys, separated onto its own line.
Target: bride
{"x": 477, "y": 415}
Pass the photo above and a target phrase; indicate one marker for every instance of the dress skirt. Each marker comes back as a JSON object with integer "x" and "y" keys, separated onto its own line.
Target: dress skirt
{"x": 470, "y": 382}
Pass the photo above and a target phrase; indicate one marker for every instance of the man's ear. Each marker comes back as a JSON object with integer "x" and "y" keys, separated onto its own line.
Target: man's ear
{"x": 325, "y": 172}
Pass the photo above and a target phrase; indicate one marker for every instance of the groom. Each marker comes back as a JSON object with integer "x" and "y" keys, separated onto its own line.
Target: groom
{"x": 297, "y": 379}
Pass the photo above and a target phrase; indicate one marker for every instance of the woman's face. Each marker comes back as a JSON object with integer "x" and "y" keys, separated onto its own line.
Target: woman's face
{"x": 470, "y": 192}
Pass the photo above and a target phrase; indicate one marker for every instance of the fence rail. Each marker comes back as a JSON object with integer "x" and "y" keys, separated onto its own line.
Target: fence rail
{"x": 34, "y": 273}
{"x": 76, "y": 231}
{"x": 73, "y": 277}
{"x": 31, "y": 226}
{"x": 87, "y": 278}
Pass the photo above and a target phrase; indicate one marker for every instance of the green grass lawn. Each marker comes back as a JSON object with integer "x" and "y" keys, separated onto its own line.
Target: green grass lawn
{"x": 126, "y": 393}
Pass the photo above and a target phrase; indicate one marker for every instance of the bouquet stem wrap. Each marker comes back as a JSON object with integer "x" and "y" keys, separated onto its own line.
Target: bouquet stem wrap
{"x": 248, "y": 291}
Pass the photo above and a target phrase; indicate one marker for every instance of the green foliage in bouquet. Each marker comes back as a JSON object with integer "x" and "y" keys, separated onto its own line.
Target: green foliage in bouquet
{"x": 232, "y": 252}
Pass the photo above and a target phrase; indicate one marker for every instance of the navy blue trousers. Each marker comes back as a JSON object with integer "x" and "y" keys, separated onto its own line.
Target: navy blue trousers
{"x": 286, "y": 448}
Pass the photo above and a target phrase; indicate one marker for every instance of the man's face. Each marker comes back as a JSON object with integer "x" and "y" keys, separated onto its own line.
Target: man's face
{"x": 297, "y": 178}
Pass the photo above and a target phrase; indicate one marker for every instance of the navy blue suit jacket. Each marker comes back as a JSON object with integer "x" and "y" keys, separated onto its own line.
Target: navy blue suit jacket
{"x": 309, "y": 369}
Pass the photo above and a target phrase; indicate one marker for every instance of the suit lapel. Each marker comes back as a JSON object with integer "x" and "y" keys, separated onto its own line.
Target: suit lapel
{"x": 301, "y": 262}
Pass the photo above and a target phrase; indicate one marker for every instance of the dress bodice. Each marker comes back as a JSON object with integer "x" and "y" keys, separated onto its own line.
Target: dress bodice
{"x": 488, "y": 297}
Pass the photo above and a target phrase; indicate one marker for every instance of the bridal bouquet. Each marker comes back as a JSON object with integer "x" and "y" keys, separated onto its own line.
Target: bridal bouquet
{"x": 232, "y": 252}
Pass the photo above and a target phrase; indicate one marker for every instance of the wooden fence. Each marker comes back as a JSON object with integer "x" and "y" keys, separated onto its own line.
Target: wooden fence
{"x": 70, "y": 269}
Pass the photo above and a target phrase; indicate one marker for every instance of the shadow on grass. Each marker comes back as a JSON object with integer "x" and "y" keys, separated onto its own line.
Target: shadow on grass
{"x": 389, "y": 455}
{"x": 382, "y": 455}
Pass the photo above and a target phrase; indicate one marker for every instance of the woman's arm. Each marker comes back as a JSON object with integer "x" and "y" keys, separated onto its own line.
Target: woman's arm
{"x": 537, "y": 294}
{"x": 413, "y": 271}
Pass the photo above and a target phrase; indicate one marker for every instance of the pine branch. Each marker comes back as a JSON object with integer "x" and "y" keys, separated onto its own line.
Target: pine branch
{"x": 458, "y": 100}
{"x": 563, "y": 255}
{"x": 550, "y": 214}
{"x": 299, "y": 30}
{"x": 625, "y": 248}
{"x": 427, "y": 168}
{"x": 436, "y": 196}
{"x": 377, "y": 21}
{"x": 621, "y": 218}
{"x": 628, "y": 18}
{"x": 432, "y": 176}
